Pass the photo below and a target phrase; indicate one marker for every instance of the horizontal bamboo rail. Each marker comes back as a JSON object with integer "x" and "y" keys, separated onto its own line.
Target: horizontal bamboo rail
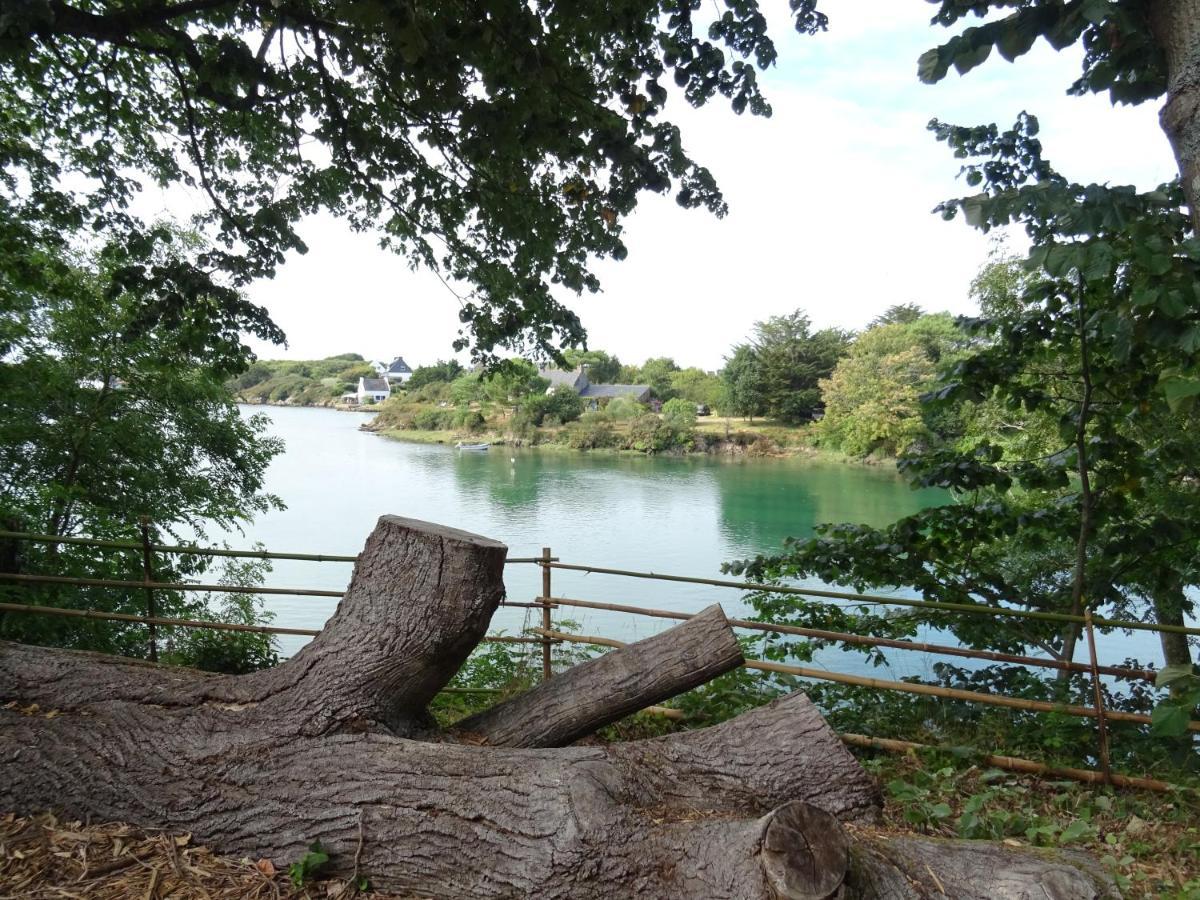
{"x": 167, "y": 548}
{"x": 191, "y": 550}
{"x": 198, "y": 623}
{"x": 973, "y": 608}
{"x": 1017, "y": 764}
{"x": 849, "y": 638}
{"x": 904, "y": 687}
{"x": 165, "y": 585}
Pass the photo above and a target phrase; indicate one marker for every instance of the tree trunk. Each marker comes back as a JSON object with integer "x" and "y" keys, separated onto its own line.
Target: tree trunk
{"x": 1168, "y": 610}
{"x": 894, "y": 867}
{"x": 1176, "y": 28}
{"x": 316, "y": 749}
{"x": 610, "y": 687}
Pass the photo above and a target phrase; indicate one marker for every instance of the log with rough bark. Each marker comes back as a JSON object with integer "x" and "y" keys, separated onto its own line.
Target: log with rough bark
{"x": 602, "y": 690}
{"x": 321, "y": 748}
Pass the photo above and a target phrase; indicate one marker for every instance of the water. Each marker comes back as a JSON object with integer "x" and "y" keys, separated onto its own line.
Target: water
{"x": 682, "y": 516}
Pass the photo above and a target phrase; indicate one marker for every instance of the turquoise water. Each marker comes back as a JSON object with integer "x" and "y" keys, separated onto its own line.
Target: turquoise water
{"x": 670, "y": 515}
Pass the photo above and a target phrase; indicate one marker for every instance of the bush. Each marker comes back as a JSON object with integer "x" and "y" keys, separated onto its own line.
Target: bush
{"x": 679, "y": 414}
{"x": 624, "y": 408}
{"x": 593, "y": 431}
{"x": 469, "y": 419}
{"x": 562, "y": 405}
{"x": 433, "y": 420}
{"x": 650, "y": 434}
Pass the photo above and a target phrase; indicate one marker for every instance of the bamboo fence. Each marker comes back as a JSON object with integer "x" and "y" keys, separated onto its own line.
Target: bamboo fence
{"x": 547, "y": 636}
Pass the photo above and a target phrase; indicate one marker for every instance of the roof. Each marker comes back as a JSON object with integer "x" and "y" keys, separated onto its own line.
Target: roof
{"x": 399, "y": 366}
{"x": 575, "y": 379}
{"x": 376, "y": 384}
{"x": 615, "y": 390}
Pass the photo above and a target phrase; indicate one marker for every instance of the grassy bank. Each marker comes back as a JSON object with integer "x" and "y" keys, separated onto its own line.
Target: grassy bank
{"x": 644, "y": 434}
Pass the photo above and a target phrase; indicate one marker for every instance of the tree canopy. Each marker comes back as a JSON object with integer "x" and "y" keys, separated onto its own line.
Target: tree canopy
{"x": 501, "y": 145}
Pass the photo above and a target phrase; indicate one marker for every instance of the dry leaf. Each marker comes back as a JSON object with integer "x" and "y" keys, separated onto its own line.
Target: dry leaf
{"x": 182, "y": 839}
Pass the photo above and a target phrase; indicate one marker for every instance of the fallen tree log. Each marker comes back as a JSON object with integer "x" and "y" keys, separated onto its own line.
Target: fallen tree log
{"x": 602, "y": 690}
{"x": 319, "y": 749}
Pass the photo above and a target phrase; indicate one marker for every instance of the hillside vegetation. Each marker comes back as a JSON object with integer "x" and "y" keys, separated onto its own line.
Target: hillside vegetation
{"x": 315, "y": 382}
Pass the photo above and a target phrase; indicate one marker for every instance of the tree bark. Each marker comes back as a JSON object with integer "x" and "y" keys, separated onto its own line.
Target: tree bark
{"x": 1176, "y": 28}
{"x": 315, "y": 749}
{"x": 610, "y": 687}
{"x": 893, "y": 867}
{"x": 1168, "y": 610}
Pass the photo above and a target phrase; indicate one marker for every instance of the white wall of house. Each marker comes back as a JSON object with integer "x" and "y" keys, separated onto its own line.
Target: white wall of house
{"x": 368, "y": 396}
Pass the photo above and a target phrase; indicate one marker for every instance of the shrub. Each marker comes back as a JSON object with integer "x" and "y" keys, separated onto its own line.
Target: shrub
{"x": 624, "y": 408}
{"x": 648, "y": 434}
{"x": 679, "y": 414}
{"x": 433, "y": 420}
{"x": 593, "y": 431}
{"x": 469, "y": 419}
{"x": 562, "y": 405}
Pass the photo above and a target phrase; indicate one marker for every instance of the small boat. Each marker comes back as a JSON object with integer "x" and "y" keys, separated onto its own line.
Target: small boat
{"x": 474, "y": 447}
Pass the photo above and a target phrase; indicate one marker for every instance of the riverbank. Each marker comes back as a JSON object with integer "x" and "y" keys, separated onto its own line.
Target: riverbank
{"x": 718, "y": 437}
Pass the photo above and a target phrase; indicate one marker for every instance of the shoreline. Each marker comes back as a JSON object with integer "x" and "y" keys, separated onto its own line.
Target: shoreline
{"x": 739, "y": 445}
{"x": 717, "y": 450}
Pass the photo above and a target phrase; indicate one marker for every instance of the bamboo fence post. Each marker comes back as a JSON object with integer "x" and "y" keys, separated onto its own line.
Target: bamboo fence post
{"x": 546, "y": 672}
{"x": 148, "y": 574}
{"x": 1102, "y": 729}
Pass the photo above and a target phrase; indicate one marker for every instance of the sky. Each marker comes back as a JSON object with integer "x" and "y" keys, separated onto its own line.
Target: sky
{"x": 830, "y": 206}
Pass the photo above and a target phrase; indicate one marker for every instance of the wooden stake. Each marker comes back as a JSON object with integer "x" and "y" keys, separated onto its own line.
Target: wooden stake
{"x": 546, "y": 624}
{"x": 148, "y": 574}
{"x": 1102, "y": 730}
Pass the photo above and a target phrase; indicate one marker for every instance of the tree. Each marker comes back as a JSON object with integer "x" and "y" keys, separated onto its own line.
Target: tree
{"x": 602, "y": 368}
{"x": 743, "y": 377}
{"x": 1088, "y": 502}
{"x": 502, "y": 150}
{"x": 111, "y": 414}
{"x": 657, "y": 373}
{"x": 872, "y": 399}
{"x": 513, "y": 379}
{"x": 790, "y": 362}
{"x": 1135, "y": 51}
{"x": 898, "y": 314}
{"x": 441, "y": 371}
{"x": 699, "y": 386}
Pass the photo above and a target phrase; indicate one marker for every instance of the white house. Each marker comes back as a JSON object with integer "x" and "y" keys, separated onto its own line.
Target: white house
{"x": 373, "y": 390}
{"x": 398, "y": 371}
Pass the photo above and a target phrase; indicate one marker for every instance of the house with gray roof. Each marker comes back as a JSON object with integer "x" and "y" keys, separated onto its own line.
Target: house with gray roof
{"x": 373, "y": 390}
{"x": 398, "y": 371}
{"x": 596, "y": 395}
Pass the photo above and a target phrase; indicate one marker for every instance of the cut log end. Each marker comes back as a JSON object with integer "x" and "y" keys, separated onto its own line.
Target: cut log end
{"x": 804, "y": 853}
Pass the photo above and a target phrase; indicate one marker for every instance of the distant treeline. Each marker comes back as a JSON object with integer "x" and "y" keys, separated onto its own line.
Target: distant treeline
{"x": 861, "y": 389}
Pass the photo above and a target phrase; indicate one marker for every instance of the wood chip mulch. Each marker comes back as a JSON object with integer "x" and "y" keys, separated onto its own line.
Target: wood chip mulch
{"x": 42, "y": 858}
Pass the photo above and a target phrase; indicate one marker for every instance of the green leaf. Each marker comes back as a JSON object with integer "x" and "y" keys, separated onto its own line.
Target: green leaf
{"x": 1060, "y": 259}
{"x": 1178, "y": 389}
{"x": 1015, "y": 40}
{"x": 930, "y": 68}
{"x": 1168, "y": 720}
{"x": 1170, "y": 674}
{"x": 1074, "y": 831}
{"x": 974, "y": 209}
